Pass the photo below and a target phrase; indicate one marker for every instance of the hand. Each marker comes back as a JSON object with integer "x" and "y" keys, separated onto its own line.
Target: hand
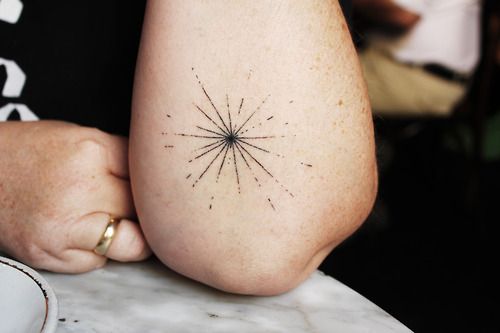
{"x": 59, "y": 184}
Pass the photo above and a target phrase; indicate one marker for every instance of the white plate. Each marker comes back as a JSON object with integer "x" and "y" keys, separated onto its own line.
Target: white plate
{"x": 27, "y": 303}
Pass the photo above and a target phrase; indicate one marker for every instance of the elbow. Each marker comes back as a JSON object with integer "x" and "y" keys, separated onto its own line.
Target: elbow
{"x": 267, "y": 264}
{"x": 263, "y": 277}
{"x": 243, "y": 265}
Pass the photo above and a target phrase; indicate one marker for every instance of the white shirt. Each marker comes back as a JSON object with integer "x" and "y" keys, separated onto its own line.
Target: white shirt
{"x": 448, "y": 33}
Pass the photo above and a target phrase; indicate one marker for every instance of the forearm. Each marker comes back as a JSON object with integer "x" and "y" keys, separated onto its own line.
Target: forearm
{"x": 274, "y": 88}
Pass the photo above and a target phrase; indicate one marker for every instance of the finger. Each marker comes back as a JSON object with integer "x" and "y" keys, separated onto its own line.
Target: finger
{"x": 114, "y": 197}
{"x": 70, "y": 261}
{"x": 117, "y": 155}
{"x": 79, "y": 261}
{"x": 128, "y": 242}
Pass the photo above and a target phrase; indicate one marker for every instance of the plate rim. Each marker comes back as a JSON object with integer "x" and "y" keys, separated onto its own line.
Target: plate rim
{"x": 50, "y": 321}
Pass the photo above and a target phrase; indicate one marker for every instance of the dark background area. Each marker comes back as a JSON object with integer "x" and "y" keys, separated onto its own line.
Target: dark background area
{"x": 79, "y": 59}
{"x": 422, "y": 253}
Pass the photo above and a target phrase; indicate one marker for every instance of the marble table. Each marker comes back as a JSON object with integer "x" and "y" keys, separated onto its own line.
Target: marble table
{"x": 148, "y": 297}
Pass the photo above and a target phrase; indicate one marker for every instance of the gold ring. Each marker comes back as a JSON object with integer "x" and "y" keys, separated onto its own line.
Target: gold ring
{"x": 107, "y": 236}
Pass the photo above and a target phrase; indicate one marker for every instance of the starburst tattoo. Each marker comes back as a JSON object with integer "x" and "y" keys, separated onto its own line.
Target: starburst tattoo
{"x": 224, "y": 144}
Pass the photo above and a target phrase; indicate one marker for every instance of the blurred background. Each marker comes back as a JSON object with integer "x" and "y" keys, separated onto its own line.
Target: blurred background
{"x": 423, "y": 253}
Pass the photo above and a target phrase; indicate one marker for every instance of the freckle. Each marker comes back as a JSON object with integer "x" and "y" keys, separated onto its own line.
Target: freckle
{"x": 341, "y": 102}
{"x": 291, "y": 102}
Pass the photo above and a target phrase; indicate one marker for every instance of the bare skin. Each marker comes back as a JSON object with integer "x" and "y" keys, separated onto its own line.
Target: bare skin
{"x": 58, "y": 183}
{"x": 274, "y": 87}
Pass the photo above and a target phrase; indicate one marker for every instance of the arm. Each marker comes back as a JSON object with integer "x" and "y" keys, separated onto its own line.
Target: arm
{"x": 258, "y": 213}
{"x": 387, "y": 13}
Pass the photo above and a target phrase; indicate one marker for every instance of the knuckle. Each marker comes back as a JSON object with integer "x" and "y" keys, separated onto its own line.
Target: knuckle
{"x": 89, "y": 141}
{"x": 89, "y": 148}
{"x": 86, "y": 154}
{"x": 92, "y": 132}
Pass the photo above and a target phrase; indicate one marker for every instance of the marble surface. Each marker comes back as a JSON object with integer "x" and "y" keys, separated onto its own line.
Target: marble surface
{"x": 148, "y": 297}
